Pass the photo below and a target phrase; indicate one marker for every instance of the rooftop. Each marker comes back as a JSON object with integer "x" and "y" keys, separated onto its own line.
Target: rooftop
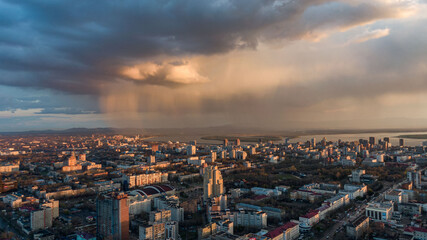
{"x": 311, "y": 214}
{"x": 276, "y": 232}
{"x": 356, "y": 222}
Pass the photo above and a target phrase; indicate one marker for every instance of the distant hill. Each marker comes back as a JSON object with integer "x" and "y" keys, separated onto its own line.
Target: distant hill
{"x": 227, "y": 130}
{"x": 70, "y": 131}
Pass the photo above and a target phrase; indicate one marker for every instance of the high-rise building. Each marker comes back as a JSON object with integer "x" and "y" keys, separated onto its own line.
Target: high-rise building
{"x": 154, "y": 148}
{"x": 238, "y": 142}
{"x": 313, "y": 142}
{"x": 151, "y": 159}
{"x": 232, "y": 154}
{"x": 112, "y": 216}
{"x": 160, "y": 216}
{"x": 241, "y": 155}
{"x": 414, "y": 177}
{"x": 372, "y": 140}
{"x": 212, "y": 183}
{"x": 356, "y": 174}
{"x": 387, "y": 139}
{"x": 54, "y": 206}
{"x": 401, "y": 142}
{"x": 225, "y": 142}
{"x": 213, "y": 156}
{"x": 191, "y": 150}
{"x": 171, "y": 230}
{"x": 324, "y": 141}
{"x": 41, "y": 218}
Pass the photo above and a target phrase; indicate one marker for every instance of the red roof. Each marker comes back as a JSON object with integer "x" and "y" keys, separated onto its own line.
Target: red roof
{"x": 311, "y": 214}
{"x": 259, "y": 197}
{"x": 303, "y": 190}
{"x": 323, "y": 208}
{"x": 155, "y": 189}
{"x": 166, "y": 188}
{"x": 415, "y": 229}
{"x": 418, "y": 229}
{"x": 276, "y": 232}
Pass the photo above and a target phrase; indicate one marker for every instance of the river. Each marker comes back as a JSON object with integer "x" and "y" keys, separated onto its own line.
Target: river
{"x": 330, "y": 137}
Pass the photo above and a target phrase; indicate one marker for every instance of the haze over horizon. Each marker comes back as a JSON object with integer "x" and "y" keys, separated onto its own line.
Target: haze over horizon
{"x": 276, "y": 64}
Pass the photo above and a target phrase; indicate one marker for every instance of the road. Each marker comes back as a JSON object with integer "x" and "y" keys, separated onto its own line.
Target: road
{"x": 359, "y": 209}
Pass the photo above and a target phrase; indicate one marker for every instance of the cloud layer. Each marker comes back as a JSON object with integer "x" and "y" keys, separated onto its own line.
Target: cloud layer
{"x": 243, "y": 60}
{"x": 77, "y": 47}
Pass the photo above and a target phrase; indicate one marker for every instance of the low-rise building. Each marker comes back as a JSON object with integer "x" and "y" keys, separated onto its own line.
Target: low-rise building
{"x": 13, "y": 200}
{"x": 145, "y": 179}
{"x": 255, "y": 219}
{"x": 308, "y": 220}
{"x": 9, "y": 168}
{"x": 380, "y": 211}
{"x": 417, "y": 232}
{"x": 354, "y": 191}
{"x": 358, "y": 227}
{"x": 206, "y": 231}
{"x": 288, "y": 231}
{"x": 394, "y": 195}
{"x": 270, "y": 211}
{"x": 226, "y": 226}
{"x": 409, "y": 209}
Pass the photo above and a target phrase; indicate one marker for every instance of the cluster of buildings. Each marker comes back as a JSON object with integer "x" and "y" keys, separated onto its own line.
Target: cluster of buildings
{"x": 120, "y": 187}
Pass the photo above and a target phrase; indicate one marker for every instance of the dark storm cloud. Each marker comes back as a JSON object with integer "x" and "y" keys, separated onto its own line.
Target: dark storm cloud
{"x": 362, "y": 72}
{"x": 79, "y": 46}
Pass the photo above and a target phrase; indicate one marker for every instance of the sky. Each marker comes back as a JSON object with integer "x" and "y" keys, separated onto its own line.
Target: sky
{"x": 275, "y": 64}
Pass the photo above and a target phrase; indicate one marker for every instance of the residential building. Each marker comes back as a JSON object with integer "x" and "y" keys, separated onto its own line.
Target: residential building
{"x": 409, "y": 209}
{"x": 226, "y": 226}
{"x": 255, "y": 219}
{"x": 288, "y": 231}
{"x": 155, "y": 231}
{"x": 144, "y": 179}
{"x": 308, "y": 220}
{"x": 160, "y": 216}
{"x": 170, "y": 203}
{"x": 208, "y": 230}
{"x": 54, "y": 206}
{"x": 418, "y": 233}
{"x": 213, "y": 185}
{"x": 414, "y": 177}
{"x": 113, "y": 216}
{"x": 358, "y": 227}
{"x": 171, "y": 230}
{"x": 41, "y": 219}
{"x": 191, "y": 150}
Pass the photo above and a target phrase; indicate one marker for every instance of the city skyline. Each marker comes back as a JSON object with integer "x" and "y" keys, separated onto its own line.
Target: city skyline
{"x": 270, "y": 64}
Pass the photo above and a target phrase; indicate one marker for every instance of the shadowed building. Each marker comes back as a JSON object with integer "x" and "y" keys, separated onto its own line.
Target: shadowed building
{"x": 113, "y": 216}
{"x": 358, "y": 227}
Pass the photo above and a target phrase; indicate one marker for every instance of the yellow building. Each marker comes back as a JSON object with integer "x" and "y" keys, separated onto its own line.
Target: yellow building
{"x": 213, "y": 185}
